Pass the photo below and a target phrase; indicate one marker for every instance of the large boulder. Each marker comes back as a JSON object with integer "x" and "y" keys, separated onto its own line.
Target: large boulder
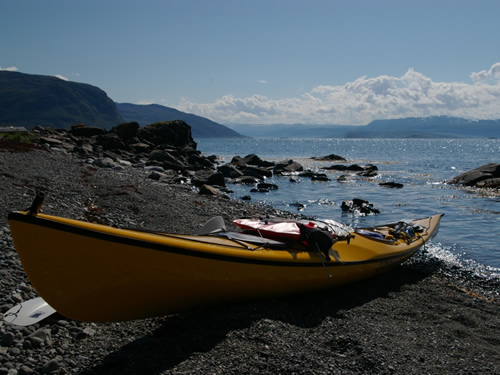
{"x": 487, "y": 175}
{"x": 170, "y": 133}
{"x": 81, "y": 130}
{"x": 127, "y": 130}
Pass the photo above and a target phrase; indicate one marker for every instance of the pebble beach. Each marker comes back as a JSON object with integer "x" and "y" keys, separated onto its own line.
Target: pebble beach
{"x": 421, "y": 318}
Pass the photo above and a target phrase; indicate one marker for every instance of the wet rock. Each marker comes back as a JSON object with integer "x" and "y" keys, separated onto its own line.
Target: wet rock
{"x": 319, "y": 177}
{"x": 258, "y": 172}
{"x": 251, "y": 159}
{"x": 487, "y": 175}
{"x": 230, "y": 171}
{"x": 391, "y": 185}
{"x": 248, "y": 180}
{"x": 268, "y": 186}
{"x": 368, "y": 170}
{"x": 359, "y": 207}
{"x": 260, "y": 190}
{"x": 344, "y": 178}
{"x": 329, "y": 158}
{"x": 288, "y": 166}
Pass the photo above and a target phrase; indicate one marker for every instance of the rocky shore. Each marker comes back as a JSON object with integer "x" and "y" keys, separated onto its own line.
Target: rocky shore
{"x": 422, "y": 318}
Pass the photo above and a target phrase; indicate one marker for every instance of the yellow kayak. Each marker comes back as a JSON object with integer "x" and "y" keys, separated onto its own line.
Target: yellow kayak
{"x": 94, "y": 272}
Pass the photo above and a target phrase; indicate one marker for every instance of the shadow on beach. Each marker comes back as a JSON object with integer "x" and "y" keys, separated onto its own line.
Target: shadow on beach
{"x": 180, "y": 337}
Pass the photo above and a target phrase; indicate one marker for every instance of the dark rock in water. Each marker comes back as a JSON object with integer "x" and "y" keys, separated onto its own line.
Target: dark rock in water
{"x": 328, "y": 157}
{"x": 230, "y": 171}
{"x": 344, "y": 178}
{"x": 479, "y": 176}
{"x": 289, "y": 166}
{"x": 359, "y": 206}
{"x": 260, "y": 190}
{"x": 368, "y": 170}
{"x": 249, "y": 180}
{"x": 258, "y": 172}
{"x": 492, "y": 183}
{"x": 251, "y": 159}
{"x": 392, "y": 185}
{"x": 337, "y": 167}
{"x": 246, "y": 198}
{"x": 319, "y": 177}
{"x": 265, "y": 185}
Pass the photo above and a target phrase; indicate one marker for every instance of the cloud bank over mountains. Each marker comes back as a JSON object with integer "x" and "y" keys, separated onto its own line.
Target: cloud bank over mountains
{"x": 363, "y": 100}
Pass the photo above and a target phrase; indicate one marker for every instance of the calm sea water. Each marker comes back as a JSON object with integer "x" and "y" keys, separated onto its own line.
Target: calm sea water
{"x": 469, "y": 229}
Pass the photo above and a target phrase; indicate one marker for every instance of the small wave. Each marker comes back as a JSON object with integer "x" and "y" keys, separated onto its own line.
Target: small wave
{"x": 453, "y": 259}
{"x": 442, "y": 259}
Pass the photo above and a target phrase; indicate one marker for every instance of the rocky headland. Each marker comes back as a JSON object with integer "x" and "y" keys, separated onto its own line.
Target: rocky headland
{"x": 423, "y": 317}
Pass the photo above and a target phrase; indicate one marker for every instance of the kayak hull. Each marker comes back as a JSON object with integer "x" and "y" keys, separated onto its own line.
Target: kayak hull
{"x": 93, "y": 272}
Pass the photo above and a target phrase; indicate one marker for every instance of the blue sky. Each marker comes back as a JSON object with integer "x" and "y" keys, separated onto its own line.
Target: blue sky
{"x": 270, "y": 61}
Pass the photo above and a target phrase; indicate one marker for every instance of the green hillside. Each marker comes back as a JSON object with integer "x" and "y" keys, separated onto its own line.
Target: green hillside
{"x": 29, "y": 100}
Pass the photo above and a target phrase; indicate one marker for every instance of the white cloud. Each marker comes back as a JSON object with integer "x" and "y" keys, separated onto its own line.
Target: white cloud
{"x": 363, "y": 100}
{"x": 62, "y": 77}
{"x": 484, "y": 75}
{"x": 263, "y": 81}
{"x": 10, "y": 69}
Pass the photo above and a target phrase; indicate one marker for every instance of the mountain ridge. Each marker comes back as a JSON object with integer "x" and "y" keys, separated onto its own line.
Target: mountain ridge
{"x": 30, "y": 99}
{"x": 410, "y": 127}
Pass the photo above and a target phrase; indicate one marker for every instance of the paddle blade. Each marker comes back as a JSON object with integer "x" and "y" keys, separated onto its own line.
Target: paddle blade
{"x": 214, "y": 225}
{"x": 28, "y": 312}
